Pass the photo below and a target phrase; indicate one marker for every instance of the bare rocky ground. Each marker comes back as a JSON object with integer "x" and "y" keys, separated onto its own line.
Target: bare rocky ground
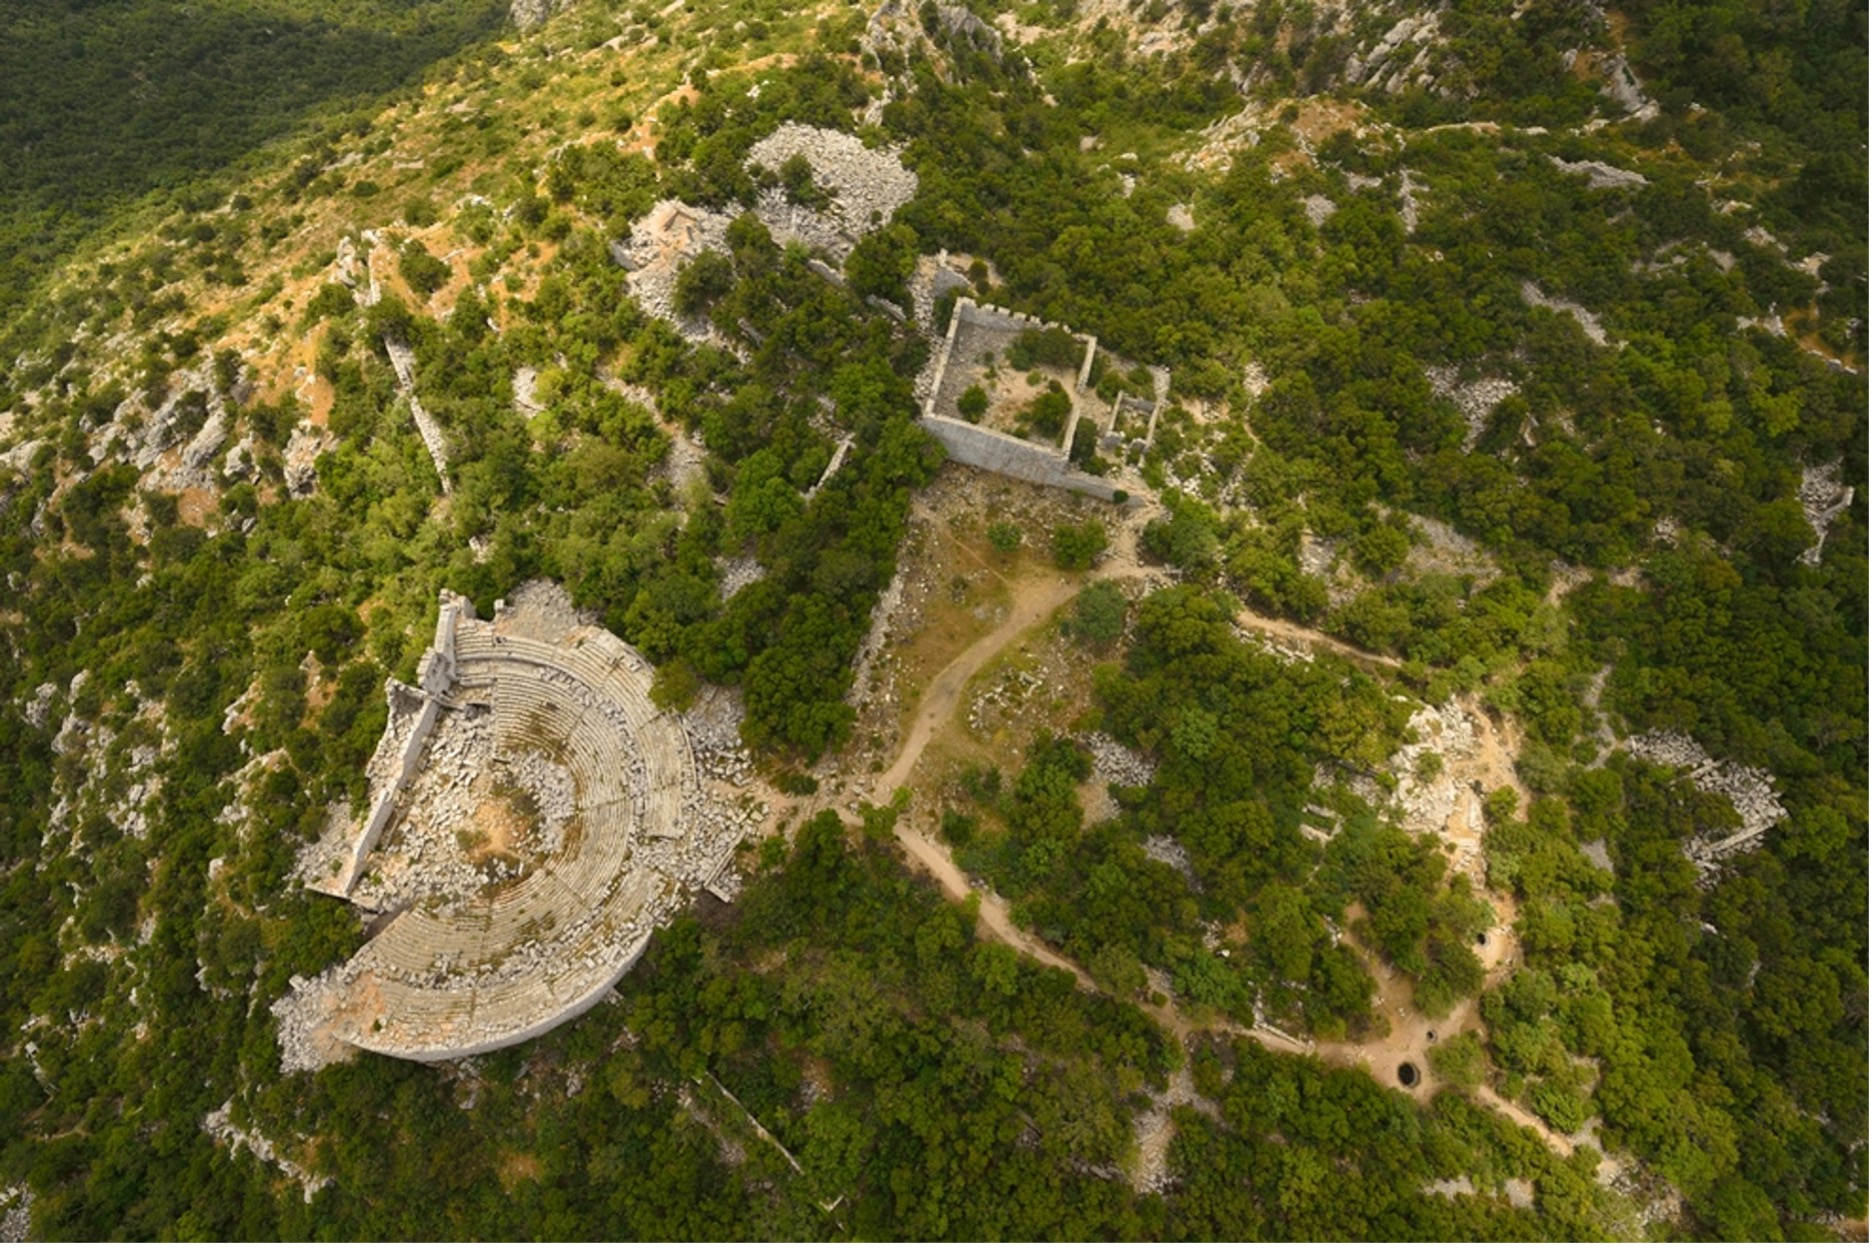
{"x": 221, "y": 1127}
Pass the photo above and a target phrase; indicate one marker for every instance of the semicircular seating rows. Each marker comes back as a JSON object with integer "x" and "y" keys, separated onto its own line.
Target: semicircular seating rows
{"x": 452, "y": 978}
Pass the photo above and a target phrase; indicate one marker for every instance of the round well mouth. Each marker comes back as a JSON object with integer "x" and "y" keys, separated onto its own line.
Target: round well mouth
{"x": 1408, "y": 1075}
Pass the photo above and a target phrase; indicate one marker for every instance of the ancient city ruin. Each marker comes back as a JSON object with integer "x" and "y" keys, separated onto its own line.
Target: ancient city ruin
{"x": 533, "y": 819}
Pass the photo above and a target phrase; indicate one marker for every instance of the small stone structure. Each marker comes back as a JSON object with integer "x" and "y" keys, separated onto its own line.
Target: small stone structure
{"x": 534, "y": 818}
{"x": 1751, "y": 791}
{"x": 659, "y": 245}
{"x": 972, "y": 324}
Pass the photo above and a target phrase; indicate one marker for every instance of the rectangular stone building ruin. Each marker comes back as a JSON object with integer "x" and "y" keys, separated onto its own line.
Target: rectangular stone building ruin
{"x": 1008, "y": 454}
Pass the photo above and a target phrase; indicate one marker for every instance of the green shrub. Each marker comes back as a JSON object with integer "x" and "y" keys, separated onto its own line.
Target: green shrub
{"x": 1099, "y": 613}
{"x": 1076, "y": 547}
{"x": 973, "y": 403}
{"x": 425, "y": 274}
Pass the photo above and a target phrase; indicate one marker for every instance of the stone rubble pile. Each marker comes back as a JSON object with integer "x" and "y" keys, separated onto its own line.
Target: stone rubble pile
{"x": 16, "y": 1213}
{"x": 1167, "y": 850}
{"x": 556, "y": 803}
{"x": 714, "y": 725}
{"x": 1154, "y": 1128}
{"x": 319, "y": 862}
{"x": 426, "y": 859}
{"x": 867, "y": 185}
{"x": 738, "y": 573}
{"x": 40, "y": 705}
{"x": 1751, "y": 792}
{"x": 1255, "y": 379}
{"x": 302, "y": 1021}
{"x": 1116, "y": 763}
{"x": 1475, "y": 400}
{"x": 1823, "y": 498}
{"x": 544, "y": 609}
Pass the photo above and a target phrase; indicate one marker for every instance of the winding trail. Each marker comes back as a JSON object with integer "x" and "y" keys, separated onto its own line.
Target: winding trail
{"x": 1492, "y": 765}
{"x": 1031, "y": 605}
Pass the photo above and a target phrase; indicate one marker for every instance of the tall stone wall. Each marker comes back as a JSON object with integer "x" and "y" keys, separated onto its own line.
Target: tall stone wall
{"x": 1013, "y": 457}
{"x": 436, "y": 670}
{"x": 546, "y": 1024}
{"x": 1002, "y": 453}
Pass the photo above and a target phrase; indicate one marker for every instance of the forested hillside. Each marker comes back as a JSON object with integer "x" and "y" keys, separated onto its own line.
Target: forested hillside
{"x": 1513, "y": 403}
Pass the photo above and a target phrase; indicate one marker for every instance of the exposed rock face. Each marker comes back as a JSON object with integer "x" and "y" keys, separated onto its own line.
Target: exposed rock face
{"x": 1623, "y": 86}
{"x": 1590, "y": 324}
{"x": 1401, "y": 58}
{"x": 219, "y": 1125}
{"x": 528, "y": 14}
{"x": 1599, "y": 174}
{"x": 303, "y": 450}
